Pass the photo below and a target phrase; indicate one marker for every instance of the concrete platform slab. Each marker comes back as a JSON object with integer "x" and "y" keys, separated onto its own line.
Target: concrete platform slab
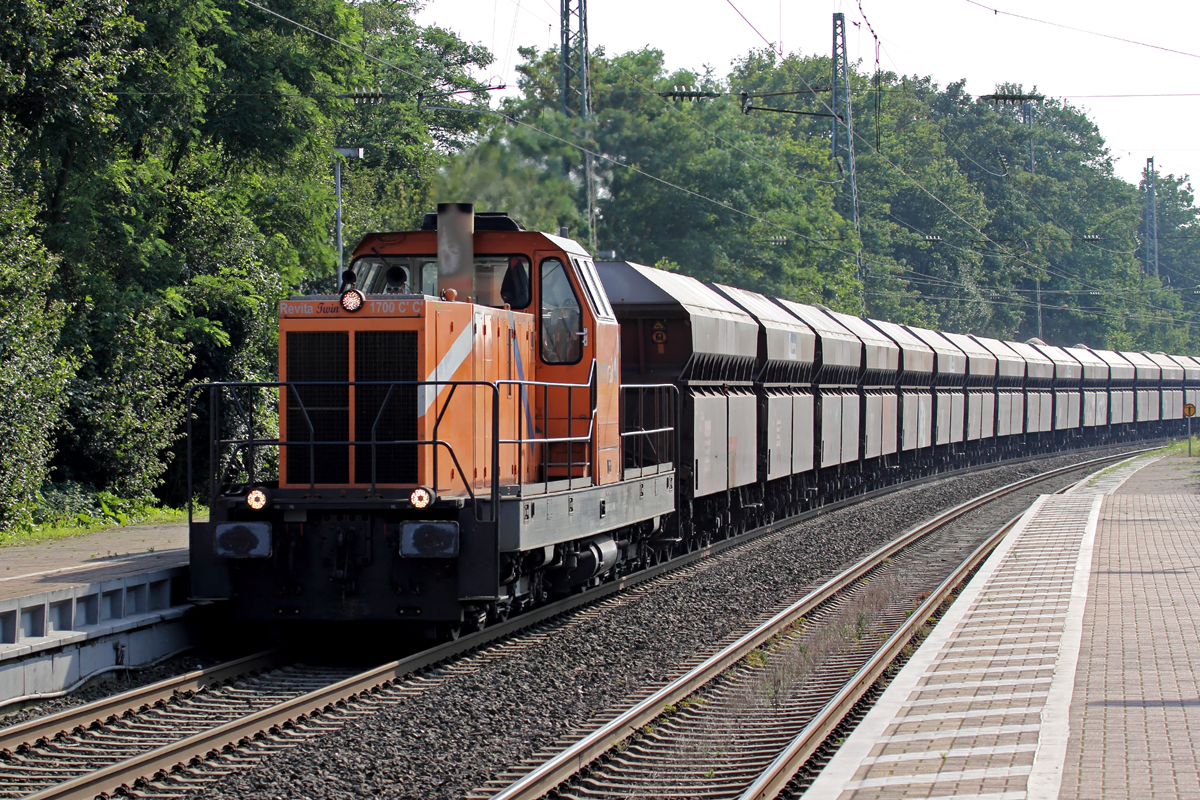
{"x": 113, "y": 547}
{"x": 1135, "y": 711}
{"x": 1068, "y": 667}
{"x": 72, "y": 609}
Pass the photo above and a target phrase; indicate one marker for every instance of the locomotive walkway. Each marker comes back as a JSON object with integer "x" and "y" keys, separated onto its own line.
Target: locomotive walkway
{"x": 1069, "y": 666}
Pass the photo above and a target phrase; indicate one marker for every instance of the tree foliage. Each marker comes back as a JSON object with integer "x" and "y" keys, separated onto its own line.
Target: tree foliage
{"x": 177, "y": 157}
{"x": 960, "y": 227}
{"x": 33, "y": 370}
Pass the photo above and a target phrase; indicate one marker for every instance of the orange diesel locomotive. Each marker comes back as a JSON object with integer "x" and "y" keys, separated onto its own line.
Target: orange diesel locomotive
{"x": 451, "y": 446}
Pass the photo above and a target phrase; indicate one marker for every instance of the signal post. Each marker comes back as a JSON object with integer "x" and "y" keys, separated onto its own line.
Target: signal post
{"x": 1189, "y": 411}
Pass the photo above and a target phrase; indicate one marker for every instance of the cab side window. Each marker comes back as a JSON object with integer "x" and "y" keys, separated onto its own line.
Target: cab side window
{"x": 502, "y": 281}
{"x": 515, "y": 291}
{"x": 562, "y": 318}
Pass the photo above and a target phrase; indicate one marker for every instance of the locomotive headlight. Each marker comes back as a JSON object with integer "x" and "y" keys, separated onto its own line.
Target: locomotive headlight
{"x": 258, "y": 498}
{"x": 352, "y": 300}
{"x": 420, "y": 497}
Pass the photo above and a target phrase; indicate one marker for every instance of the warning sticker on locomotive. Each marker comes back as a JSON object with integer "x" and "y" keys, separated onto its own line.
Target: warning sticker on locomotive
{"x": 658, "y": 334}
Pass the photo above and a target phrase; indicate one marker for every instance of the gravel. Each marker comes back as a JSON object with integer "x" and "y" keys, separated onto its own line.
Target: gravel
{"x": 446, "y": 741}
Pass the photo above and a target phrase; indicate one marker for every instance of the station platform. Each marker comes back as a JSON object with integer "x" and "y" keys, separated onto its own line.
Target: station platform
{"x": 72, "y": 609}
{"x": 1068, "y": 667}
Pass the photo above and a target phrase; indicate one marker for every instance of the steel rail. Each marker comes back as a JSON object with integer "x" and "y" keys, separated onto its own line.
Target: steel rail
{"x": 580, "y": 754}
{"x": 775, "y": 778}
{"x": 780, "y": 772}
{"x": 165, "y": 758}
{"x": 133, "y": 700}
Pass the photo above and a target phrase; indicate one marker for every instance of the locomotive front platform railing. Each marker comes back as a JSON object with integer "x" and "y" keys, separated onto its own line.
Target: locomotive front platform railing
{"x": 237, "y": 461}
{"x": 529, "y": 438}
{"x": 655, "y": 449}
{"x": 647, "y": 450}
{"x": 244, "y": 451}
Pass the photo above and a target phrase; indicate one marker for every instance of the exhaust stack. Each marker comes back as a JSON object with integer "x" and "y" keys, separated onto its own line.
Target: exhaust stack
{"x": 456, "y": 249}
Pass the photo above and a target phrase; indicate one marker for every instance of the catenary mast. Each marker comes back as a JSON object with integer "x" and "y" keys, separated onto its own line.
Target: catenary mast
{"x": 575, "y": 90}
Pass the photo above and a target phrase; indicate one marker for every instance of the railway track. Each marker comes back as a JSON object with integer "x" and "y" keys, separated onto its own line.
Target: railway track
{"x": 181, "y": 734}
{"x": 742, "y": 723}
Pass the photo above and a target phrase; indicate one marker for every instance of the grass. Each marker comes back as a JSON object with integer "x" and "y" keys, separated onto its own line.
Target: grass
{"x": 82, "y": 526}
{"x": 1180, "y": 448}
{"x": 1177, "y": 448}
{"x": 785, "y": 664}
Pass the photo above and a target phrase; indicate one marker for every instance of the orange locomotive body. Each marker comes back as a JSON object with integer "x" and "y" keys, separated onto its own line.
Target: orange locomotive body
{"x": 402, "y": 338}
{"x": 450, "y": 441}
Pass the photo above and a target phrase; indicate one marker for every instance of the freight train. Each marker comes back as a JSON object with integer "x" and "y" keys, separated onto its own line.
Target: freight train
{"x": 484, "y": 417}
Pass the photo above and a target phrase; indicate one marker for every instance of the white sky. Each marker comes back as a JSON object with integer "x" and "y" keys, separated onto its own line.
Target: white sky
{"x": 946, "y": 39}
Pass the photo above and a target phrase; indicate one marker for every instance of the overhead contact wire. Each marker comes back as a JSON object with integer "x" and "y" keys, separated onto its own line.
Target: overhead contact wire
{"x": 997, "y": 12}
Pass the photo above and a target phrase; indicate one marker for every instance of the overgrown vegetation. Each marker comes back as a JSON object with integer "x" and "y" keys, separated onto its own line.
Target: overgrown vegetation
{"x": 165, "y": 179}
{"x": 67, "y": 509}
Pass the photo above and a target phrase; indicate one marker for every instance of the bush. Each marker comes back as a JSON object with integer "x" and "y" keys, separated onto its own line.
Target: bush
{"x": 74, "y": 505}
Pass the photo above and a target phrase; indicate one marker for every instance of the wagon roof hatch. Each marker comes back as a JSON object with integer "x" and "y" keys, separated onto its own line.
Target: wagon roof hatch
{"x": 1038, "y": 366}
{"x": 882, "y": 353}
{"x": 980, "y": 360}
{"x": 1191, "y": 368}
{"x": 839, "y": 346}
{"x": 1171, "y": 371}
{"x": 950, "y": 360}
{"x": 1119, "y": 368}
{"x": 1009, "y": 363}
{"x": 718, "y": 326}
{"x": 1066, "y": 368}
{"x": 917, "y": 356}
{"x": 1095, "y": 368}
{"x": 788, "y": 339}
{"x": 1147, "y": 370}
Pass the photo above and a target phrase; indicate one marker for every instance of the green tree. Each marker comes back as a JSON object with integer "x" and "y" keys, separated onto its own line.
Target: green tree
{"x": 179, "y": 160}
{"x": 33, "y": 372}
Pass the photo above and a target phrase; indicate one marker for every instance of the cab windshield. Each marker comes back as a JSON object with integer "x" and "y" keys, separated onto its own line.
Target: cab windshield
{"x": 500, "y": 280}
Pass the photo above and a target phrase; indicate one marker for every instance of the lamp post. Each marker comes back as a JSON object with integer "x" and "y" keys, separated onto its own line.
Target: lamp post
{"x": 343, "y": 152}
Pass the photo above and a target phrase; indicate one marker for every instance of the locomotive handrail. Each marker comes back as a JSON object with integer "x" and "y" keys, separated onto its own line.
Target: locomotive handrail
{"x": 569, "y": 440}
{"x": 241, "y": 444}
{"x": 243, "y": 456}
{"x": 375, "y": 441}
{"x": 651, "y": 437}
{"x": 222, "y": 469}
{"x": 216, "y": 391}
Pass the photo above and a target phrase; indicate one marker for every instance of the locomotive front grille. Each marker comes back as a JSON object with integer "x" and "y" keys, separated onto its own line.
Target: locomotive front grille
{"x": 318, "y": 356}
{"x": 385, "y": 356}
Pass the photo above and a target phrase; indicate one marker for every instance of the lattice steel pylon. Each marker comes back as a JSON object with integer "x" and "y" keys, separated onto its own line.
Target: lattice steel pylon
{"x": 575, "y": 90}
{"x": 843, "y": 146}
{"x": 1151, "y": 242}
{"x": 574, "y": 83}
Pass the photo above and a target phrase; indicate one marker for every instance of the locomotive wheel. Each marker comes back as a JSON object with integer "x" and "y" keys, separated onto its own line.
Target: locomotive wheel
{"x": 476, "y": 620}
